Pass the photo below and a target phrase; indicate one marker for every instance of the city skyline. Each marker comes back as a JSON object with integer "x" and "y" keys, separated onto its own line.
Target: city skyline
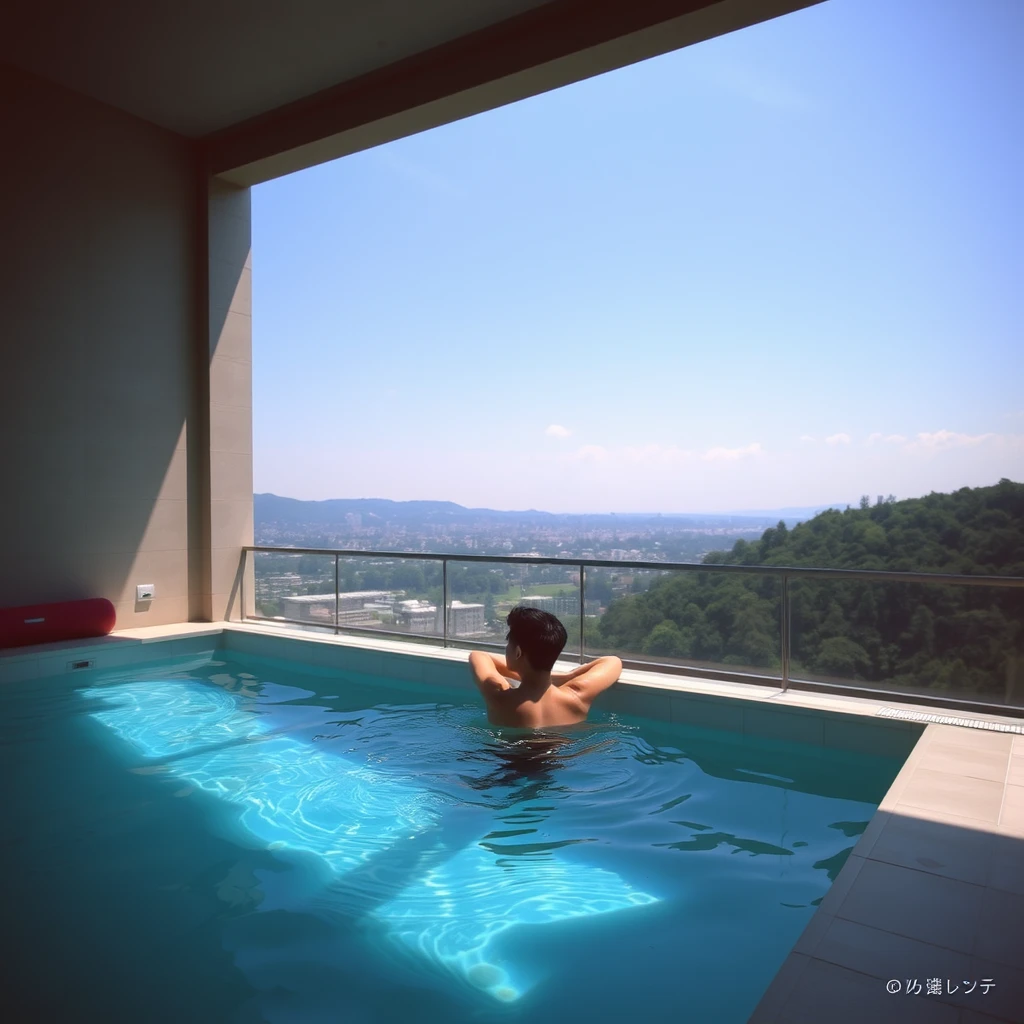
{"x": 775, "y": 269}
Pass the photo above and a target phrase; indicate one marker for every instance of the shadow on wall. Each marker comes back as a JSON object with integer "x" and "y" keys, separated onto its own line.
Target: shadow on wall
{"x": 99, "y": 307}
{"x": 222, "y": 458}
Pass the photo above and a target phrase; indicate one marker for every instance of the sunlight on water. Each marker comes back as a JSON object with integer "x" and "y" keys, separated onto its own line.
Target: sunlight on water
{"x": 385, "y": 853}
{"x": 454, "y": 912}
{"x": 165, "y": 718}
{"x": 293, "y": 796}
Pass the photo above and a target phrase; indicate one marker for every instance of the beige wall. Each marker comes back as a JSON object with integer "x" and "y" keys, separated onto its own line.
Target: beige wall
{"x": 229, "y": 350}
{"x": 109, "y": 400}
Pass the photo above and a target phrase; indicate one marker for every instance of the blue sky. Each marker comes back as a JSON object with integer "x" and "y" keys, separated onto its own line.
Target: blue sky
{"x": 779, "y": 268}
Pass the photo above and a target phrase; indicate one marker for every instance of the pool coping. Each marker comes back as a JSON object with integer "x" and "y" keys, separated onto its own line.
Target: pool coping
{"x": 933, "y": 888}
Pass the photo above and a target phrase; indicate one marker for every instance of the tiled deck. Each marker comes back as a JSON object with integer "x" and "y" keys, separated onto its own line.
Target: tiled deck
{"x": 934, "y": 889}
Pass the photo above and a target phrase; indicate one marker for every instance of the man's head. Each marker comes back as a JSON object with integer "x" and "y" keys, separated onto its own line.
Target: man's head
{"x": 534, "y": 636}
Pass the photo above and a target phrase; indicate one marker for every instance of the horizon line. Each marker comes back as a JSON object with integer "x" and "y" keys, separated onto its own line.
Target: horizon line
{"x": 818, "y": 507}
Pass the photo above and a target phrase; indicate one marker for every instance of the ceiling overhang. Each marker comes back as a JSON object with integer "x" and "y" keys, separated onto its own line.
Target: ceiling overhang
{"x": 542, "y": 49}
{"x": 267, "y": 88}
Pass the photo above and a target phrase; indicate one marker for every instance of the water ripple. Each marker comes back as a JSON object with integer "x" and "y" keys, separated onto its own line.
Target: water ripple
{"x": 445, "y": 833}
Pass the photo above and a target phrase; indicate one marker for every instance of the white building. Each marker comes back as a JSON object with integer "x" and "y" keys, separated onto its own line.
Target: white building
{"x": 465, "y": 619}
{"x": 416, "y": 616}
{"x": 351, "y": 606}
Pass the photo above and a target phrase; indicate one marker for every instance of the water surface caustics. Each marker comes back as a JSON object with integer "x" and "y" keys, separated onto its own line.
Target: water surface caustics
{"x": 307, "y": 795}
{"x": 445, "y": 850}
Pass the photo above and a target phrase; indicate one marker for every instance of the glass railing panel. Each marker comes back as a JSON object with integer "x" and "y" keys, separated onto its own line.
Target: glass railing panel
{"x": 953, "y": 641}
{"x": 481, "y": 594}
{"x": 293, "y": 588}
{"x": 390, "y": 595}
{"x": 692, "y": 619}
{"x": 949, "y": 640}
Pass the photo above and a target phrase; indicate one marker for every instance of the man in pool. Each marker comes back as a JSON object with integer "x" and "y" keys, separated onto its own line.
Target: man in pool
{"x": 543, "y": 698}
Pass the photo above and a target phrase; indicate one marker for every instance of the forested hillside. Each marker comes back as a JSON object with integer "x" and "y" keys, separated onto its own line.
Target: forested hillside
{"x": 967, "y": 639}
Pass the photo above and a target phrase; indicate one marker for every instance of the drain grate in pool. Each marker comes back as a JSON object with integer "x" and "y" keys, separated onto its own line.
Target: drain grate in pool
{"x": 930, "y": 716}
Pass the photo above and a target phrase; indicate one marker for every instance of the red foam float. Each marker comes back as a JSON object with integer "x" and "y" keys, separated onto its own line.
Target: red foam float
{"x": 62, "y": 620}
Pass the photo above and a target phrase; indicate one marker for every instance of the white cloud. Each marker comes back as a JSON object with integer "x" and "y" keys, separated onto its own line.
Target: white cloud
{"x": 632, "y": 455}
{"x": 943, "y": 439}
{"x": 654, "y": 454}
{"x": 557, "y": 430}
{"x": 658, "y": 454}
{"x": 731, "y": 454}
{"x": 806, "y": 437}
{"x": 838, "y": 439}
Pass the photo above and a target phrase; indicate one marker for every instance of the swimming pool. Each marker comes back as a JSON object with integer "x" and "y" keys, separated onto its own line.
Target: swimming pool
{"x": 242, "y": 839}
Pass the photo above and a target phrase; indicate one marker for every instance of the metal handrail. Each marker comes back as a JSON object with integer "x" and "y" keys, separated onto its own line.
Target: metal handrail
{"x": 784, "y": 572}
{"x": 610, "y": 563}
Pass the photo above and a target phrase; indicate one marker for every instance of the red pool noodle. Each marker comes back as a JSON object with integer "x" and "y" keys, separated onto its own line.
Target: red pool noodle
{"x": 62, "y": 620}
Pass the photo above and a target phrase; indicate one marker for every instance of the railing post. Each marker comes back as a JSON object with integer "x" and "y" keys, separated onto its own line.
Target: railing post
{"x": 582, "y": 609}
{"x": 786, "y": 638}
{"x": 337, "y": 597}
{"x": 444, "y": 602}
{"x": 245, "y": 565}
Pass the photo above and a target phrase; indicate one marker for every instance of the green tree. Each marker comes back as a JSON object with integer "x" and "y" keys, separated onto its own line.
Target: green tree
{"x": 666, "y": 639}
{"x": 842, "y": 657}
{"x": 967, "y": 639}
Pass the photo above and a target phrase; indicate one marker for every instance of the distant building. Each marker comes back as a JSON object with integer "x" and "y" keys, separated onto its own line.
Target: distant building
{"x": 561, "y": 604}
{"x": 416, "y": 616}
{"x": 465, "y": 619}
{"x": 569, "y": 604}
{"x": 320, "y": 607}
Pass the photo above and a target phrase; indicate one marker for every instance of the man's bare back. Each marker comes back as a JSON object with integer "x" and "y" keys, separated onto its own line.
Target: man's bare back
{"x": 542, "y": 699}
{"x": 555, "y": 706}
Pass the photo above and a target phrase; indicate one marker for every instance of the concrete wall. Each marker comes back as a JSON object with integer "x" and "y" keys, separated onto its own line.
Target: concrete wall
{"x": 106, "y": 477}
{"x": 229, "y": 373}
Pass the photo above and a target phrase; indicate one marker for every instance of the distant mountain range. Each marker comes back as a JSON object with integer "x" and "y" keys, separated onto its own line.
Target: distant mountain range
{"x": 801, "y": 513}
{"x": 271, "y": 508}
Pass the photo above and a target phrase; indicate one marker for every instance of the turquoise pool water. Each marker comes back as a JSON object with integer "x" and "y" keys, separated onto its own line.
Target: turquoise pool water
{"x": 247, "y": 840}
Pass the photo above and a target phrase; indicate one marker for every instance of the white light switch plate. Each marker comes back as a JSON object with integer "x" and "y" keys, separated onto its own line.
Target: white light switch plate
{"x": 145, "y": 592}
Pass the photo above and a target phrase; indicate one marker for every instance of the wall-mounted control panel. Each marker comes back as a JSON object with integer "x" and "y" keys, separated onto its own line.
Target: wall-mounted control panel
{"x": 145, "y": 592}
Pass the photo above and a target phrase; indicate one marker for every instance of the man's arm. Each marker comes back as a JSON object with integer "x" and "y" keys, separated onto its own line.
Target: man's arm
{"x": 485, "y": 673}
{"x": 502, "y": 667}
{"x": 558, "y": 678}
{"x": 593, "y": 678}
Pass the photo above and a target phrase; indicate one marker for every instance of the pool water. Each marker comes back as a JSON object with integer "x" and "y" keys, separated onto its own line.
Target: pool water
{"x": 247, "y": 840}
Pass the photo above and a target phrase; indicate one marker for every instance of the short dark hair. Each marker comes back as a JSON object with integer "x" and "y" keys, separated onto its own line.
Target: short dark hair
{"x": 538, "y": 634}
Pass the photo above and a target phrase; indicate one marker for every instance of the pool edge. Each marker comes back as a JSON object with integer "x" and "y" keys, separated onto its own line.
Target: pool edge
{"x": 971, "y": 794}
